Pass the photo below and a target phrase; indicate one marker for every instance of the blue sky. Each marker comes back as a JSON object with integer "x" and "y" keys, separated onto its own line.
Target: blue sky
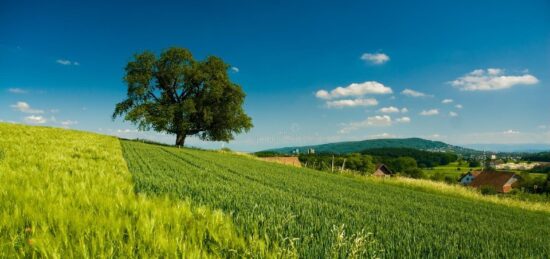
{"x": 61, "y": 64}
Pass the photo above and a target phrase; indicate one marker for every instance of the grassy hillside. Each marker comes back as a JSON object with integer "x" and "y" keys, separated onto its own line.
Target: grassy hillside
{"x": 69, "y": 194}
{"x": 359, "y": 146}
{"x": 315, "y": 214}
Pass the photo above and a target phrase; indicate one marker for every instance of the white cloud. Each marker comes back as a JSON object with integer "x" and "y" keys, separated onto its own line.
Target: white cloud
{"x": 68, "y": 123}
{"x": 453, "y": 114}
{"x": 542, "y": 127}
{"x": 235, "y": 69}
{"x": 67, "y": 62}
{"x": 352, "y": 103}
{"x": 374, "y": 121}
{"x": 490, "y": 80}
{"x": 510, "y": 132}
{"x": 446, "y": 101}
{"x": 403, "y": 120}
{"x": 375, "y": 58}
{"x": 459, "y": 106}
{"x": 34, "y": 119}
{"x": 126, "y": 131}
{"x": 430, "y": 112}
{"x": 25, "y": 108}
{"x": 355, "y": 89}
{"x": 413, "y": 93}
{"x": 17, "y": 91}
{"x": 390, "y": 109}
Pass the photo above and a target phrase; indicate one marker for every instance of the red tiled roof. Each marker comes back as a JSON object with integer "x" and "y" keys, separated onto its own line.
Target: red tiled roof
{"x": 492, "y": 178}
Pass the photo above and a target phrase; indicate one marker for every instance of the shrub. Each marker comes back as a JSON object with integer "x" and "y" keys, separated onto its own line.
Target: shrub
{"x": 415, "y": 173}
{"x": 487, "y": 190}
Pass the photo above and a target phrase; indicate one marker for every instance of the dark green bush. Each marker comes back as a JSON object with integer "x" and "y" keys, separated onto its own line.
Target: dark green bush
{"x": 487, "y": 190}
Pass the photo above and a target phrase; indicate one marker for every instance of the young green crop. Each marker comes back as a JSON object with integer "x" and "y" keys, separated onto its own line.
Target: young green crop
{"x": 69, "y": 194}
{"x": 315, "y": 214}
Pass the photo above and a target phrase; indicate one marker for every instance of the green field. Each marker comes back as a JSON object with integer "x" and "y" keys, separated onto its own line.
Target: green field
{"x": 73, "y": 194}
{"x": 68, "y": 194}
{"x": 450, "y": 170}
{"x": 316, "y": 214}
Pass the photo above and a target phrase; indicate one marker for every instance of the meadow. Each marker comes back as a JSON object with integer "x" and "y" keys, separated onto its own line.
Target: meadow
{"x": 69, "y": 194}
{"x": 314, "y": 214}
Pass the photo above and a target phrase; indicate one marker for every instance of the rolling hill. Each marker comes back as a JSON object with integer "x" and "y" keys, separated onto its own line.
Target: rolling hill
{"x": 77, "y": 194}
{"x": 358, "y": 146}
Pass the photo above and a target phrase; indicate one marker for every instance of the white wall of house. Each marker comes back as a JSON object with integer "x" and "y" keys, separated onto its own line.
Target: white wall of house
{"x": 467, "y": 179}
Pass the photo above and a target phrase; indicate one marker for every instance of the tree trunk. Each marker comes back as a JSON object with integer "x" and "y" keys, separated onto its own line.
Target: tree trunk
{"x": 180, "y": 139}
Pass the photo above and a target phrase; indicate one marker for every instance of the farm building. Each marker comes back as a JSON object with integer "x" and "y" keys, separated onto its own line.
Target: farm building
{"x": 469, "y": 177}
{"x": 382, "y": 171}
{"x": 501, "y": 181}
{"x": 290, "y": 160}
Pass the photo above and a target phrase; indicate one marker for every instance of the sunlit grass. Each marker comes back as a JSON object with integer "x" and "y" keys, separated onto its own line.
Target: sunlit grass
{"x": 317, "y": 214}
{"x": 67, "y": 194}
{"x": 461, "y": 191}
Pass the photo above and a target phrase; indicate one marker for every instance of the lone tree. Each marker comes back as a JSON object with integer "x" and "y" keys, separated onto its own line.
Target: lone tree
{"x": 179, "y": 95}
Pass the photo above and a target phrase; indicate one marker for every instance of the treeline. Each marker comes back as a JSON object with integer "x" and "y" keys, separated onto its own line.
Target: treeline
{"x": 404, "y": 161}
{"x": 357, "y": 162}
{"x": 424, "y": 159}
{"x": 538, "y": 157}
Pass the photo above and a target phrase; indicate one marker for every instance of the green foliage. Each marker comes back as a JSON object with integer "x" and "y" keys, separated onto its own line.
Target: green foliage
{"x": 487, "y": 190}
{"x": 315, "y": 215}
{"x": 474, "y": 163}
{"x": 539, "y": 157}
{"x": 355, "y": 161}
{"x": 415, "y": 173}
{"x": 400, "y": 164}
{"x": 177, "y": 94}
{"x": 423, "y": 158}
{"x": 68, "y": 194}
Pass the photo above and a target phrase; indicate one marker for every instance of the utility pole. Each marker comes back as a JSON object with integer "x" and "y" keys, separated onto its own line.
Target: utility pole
{"x": 332, "y": 168}
{"x": 343, "y": 165}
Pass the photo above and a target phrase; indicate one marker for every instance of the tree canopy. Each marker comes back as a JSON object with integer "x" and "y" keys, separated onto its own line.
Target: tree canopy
{"x": 176, "y": 94}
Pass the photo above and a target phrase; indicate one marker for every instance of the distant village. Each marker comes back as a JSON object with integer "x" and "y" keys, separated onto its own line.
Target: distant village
{"x": 498, "y": 175}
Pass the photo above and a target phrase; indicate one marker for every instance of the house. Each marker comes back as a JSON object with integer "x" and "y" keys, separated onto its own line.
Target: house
{"x": 500, "y": 180}
{"x": 382, "y": 171}
{"x": 469, "y": 177}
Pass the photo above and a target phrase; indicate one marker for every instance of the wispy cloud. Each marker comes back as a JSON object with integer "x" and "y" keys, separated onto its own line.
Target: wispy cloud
{"x": 373, "y": 121}
{"x": 447, "y": 101}
{"x": 25, "y": 108}
{"x": 35, "y": 119}
{"x": 68, "y": 123}
{"x": 413, "y": 93}
{"x": 235, "y": 69}
{"x": 67, "y": 62}
{"x": 392, "y": 109}
{"x": 352, "y": 103}
{"x": 355, "y": 89}
{"x": 490, "y": 80}
{"x": 510, "y": 132}
{"x": 430, "y": 112}
{"x": 403, "y": 120}
{"x": 453, "y": 114}
{"x": 17, "y": 91}
{"x": 459, "y": 106}
{"x": 389, "y": 109}
{"x": 375, "y": 58}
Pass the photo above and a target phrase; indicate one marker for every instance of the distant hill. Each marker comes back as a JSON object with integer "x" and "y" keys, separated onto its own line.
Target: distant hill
{"x": 515, "y": 148}
{"x": 358, "y": 146}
